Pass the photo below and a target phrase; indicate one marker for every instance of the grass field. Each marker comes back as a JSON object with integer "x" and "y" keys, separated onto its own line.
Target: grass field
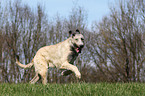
{"x": 74, "y": 89}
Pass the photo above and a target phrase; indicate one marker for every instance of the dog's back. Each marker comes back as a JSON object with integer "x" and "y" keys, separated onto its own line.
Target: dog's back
{"x": 56, "y": 54}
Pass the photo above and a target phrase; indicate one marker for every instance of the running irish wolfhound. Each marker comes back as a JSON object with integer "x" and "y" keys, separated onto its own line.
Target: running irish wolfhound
{"x": 61, "y": 55}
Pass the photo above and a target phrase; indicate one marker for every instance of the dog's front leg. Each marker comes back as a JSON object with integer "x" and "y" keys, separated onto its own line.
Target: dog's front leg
{"x": 71, "y": 67}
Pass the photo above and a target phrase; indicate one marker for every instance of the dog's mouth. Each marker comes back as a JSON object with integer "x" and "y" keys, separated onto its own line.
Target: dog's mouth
{"x": 78, "y": 49}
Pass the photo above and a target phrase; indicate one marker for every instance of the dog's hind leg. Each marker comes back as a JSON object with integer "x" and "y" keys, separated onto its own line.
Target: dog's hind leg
{"x": 44, "y": 76}
{"x": 35, "y": 79}
{"x": 41, "y": 67}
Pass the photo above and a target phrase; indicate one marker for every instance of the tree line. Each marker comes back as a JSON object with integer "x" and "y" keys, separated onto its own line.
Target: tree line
{"x": 113, "y": 52}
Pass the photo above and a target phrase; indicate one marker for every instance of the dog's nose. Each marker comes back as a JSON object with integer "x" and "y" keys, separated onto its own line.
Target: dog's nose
{"x": 81, "y": 46}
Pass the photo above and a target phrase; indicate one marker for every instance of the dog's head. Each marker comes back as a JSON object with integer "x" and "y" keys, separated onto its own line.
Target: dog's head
{"x": 77, "y": 40}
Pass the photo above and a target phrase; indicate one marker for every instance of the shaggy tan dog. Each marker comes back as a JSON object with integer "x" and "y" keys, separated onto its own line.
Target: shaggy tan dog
{"x": 61, "y": 55}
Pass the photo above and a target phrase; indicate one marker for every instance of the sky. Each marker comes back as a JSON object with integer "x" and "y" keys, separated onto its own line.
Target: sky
{"x": 95, "y": 9}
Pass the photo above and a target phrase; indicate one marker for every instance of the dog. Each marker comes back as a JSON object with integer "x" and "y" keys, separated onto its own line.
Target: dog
{"x": 61, "y": 55}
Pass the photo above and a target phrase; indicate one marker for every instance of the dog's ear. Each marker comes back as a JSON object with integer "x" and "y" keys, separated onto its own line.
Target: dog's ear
{"x": 70, "y": 32}
{"x": 73, "y": 34}
{"x": 77, "y": 31}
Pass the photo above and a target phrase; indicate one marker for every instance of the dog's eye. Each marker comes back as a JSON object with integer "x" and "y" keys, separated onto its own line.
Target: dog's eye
{"x": 76, "y": 39}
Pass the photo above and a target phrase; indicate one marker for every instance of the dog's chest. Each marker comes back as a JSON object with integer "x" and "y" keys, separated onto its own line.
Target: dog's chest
{"x": 72, "y": 56}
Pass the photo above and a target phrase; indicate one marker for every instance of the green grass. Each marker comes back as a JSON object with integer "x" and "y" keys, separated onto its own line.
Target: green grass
{"x": 74, "y": 89}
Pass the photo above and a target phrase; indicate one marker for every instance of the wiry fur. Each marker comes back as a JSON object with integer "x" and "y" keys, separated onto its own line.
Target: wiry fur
{"x": 61, "y": 55}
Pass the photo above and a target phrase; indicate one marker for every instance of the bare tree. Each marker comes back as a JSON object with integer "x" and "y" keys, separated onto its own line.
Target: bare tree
{"x": 119, "y": 48}
{"x": 24, "y": 35}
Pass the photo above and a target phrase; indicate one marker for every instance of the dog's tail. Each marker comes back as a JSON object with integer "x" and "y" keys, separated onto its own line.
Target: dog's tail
{"x": 29, "y": 65}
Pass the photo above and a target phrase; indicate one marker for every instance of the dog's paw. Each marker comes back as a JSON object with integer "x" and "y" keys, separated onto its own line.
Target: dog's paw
{"x": 66, "y": 72}
{"x": 62, "y": 73}
{"x": 78, "y": 75}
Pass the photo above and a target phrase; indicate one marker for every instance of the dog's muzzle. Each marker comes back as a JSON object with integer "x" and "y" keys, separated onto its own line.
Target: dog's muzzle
{"x": 81, "y": 46}
{"x": 79, "y": 49}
